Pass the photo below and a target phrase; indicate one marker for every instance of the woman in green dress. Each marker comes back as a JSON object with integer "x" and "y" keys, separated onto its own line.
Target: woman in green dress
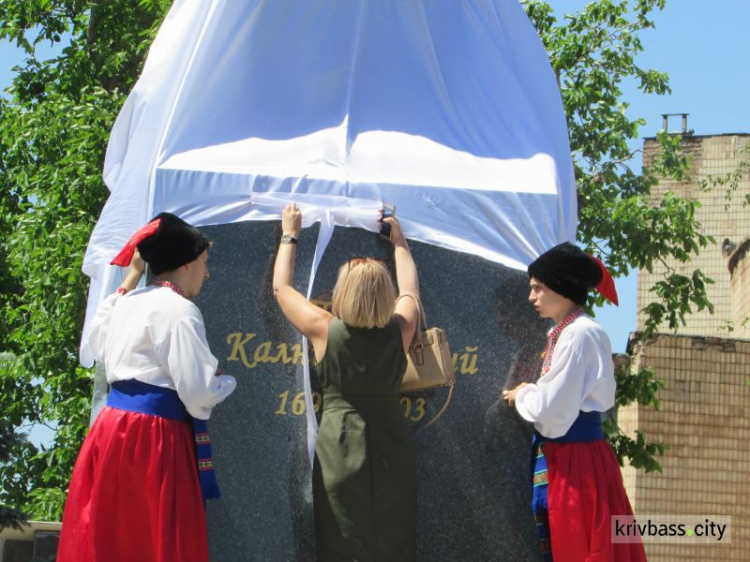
{"x": 364, "y": 480}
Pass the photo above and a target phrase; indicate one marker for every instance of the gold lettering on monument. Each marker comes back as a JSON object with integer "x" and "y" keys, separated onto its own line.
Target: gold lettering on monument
{"x": 252, "y": 353}
{"x": 414, "y": 409}
{"x": 238, "y": 347}
{"x": 264, "y": 352}
{"x": 468, "y": 361}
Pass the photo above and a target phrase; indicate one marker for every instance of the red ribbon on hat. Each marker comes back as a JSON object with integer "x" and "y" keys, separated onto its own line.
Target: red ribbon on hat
{"x": 125, "y": 256}
{"x": 606, "y": 287}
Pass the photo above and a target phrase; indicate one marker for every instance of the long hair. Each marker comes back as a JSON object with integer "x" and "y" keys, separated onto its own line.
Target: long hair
{"x": 364, "y": 295}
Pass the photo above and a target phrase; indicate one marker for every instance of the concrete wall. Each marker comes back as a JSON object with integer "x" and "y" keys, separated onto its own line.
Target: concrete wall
{"x": 704, "y": 417}
{"x": 739, "y": 267}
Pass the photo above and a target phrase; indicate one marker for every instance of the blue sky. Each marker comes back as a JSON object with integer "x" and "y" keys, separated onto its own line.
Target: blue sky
{"x": 703, "y": 46}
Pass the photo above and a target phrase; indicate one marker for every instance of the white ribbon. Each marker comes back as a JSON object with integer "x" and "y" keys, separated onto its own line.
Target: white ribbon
{"x": 349, "y": 212}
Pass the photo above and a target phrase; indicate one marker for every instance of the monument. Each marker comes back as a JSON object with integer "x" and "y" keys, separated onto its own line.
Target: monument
{"x": 451, "y": 112}
{"x": 472, "y": 463}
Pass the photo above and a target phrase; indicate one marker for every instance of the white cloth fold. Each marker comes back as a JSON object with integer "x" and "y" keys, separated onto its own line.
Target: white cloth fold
{"x": 449, "y": 110}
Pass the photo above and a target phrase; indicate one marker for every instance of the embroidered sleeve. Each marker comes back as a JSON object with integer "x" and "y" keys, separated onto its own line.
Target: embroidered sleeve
{"x": 193, "y": 368}
{"x": 100, "y": 326}
{"x": 553, "y": 403}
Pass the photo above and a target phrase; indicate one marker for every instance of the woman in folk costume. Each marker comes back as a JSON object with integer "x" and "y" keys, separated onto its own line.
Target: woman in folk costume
{"x": 136, "y": 489}
{"x": 364, "y": 476}
{"x": 577, "y": 484}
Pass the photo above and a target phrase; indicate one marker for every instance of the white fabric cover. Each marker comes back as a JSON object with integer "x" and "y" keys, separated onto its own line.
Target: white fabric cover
{"x": 449, "y": 110}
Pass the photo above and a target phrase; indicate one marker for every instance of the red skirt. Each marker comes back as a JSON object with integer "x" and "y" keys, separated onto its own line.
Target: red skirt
{"x": 134, "y": 494}
{"x": 585, "y": 490}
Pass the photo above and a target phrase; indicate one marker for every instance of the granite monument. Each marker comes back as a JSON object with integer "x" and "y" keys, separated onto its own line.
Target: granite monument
{"x": 472, "y": 463}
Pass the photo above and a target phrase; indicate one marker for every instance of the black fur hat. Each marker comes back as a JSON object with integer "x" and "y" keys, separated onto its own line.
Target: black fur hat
{"x": 568, "y": 271}
{"x": 174, "y": 243}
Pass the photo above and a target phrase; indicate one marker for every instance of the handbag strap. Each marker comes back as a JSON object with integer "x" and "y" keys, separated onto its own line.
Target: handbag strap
{"x": 422, "y": 320}
{"x": 445, "y": 406}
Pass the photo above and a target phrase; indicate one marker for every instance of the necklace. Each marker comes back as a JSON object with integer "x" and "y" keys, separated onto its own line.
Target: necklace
{"x": 552, "y": 338}
{"x": 172, "y": 286}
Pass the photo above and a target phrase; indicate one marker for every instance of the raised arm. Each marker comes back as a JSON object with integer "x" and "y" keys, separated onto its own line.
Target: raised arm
{"x": 137, "y": 267}
{"x": 405, "y": 312}
{"x": 312, "y": 321}
{"x": 100, "y": 322}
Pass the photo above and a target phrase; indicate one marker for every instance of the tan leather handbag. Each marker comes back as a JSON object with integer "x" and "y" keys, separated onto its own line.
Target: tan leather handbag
{"x": 430, "y": 363}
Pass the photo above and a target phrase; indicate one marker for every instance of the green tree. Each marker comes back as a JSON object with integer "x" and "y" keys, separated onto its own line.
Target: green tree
{"x": 53, "y": 134}
{"x": 593, "y": 53}
{"x": 9, "y": 440}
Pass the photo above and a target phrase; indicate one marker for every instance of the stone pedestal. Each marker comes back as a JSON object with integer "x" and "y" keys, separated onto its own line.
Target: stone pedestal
{"x": 472, "y": 463}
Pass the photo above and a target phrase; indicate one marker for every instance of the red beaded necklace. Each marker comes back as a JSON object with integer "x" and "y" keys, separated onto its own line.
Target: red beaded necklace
{"x": 552, "y": 338}
{"x": 172, "y": 286}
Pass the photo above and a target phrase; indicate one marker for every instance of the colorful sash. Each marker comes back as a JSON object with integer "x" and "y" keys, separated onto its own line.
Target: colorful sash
{"x": 539, "y": 486}
{"x": 137, "y": 396}
{"x": 586, "y": 427}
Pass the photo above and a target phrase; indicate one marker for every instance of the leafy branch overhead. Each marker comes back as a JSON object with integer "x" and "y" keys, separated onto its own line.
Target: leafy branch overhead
{"x": 593, "y": 53}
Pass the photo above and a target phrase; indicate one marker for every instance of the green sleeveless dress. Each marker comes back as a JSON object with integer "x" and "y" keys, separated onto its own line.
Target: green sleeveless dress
{"x": 364, "y": 479}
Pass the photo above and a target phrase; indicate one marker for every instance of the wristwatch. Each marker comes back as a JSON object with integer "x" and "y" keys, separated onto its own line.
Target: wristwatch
{"x": 288, "y": 239}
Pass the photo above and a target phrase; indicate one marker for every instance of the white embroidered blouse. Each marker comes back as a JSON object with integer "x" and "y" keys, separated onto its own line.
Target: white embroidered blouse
{"x": 581, "y": 377}
{"x": 156, "y": 336}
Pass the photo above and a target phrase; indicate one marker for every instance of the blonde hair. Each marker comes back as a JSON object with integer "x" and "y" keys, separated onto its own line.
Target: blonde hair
{"x": 364, "y": 295}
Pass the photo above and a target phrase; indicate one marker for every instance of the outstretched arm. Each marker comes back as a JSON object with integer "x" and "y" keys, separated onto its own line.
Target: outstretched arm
{"x": 312, "y": 321}
{"x": 405, "y": 313}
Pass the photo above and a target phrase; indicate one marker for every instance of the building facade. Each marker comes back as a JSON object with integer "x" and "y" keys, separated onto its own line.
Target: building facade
{"x": 722, "y": 215}
{"x": 704, "y": 413}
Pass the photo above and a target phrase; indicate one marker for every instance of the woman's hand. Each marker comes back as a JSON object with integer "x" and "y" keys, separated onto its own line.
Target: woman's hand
{"x": 311, "y": 320}
{"x": 291, "y": 220}
{"x": 397, "y": 235}
{"x": 510, "y": 395}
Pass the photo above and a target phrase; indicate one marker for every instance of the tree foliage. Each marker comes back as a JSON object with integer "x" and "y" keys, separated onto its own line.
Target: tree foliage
{"x": 593, "y": 54}
{"x": 730, "y": 183}
{"x": 9, "y": 440}
{"x": 54, "y": 127}
{"x": 639, "y": 386}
